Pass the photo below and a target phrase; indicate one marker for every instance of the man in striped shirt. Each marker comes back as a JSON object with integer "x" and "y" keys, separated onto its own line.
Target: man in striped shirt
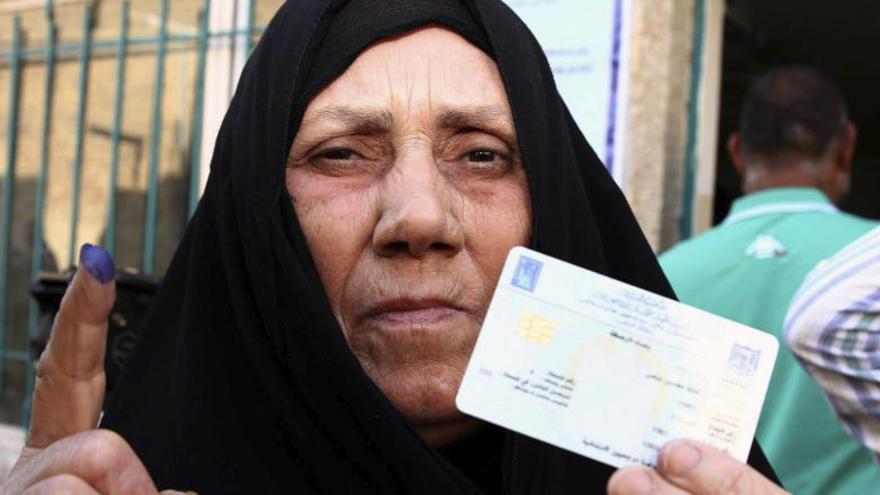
{"x": 833, "y": 327}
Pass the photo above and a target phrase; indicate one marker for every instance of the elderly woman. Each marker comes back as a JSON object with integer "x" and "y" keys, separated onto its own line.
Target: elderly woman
{"x": 377, "y": 163}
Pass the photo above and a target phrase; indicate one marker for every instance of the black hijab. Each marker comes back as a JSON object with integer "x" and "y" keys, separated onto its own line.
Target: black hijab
{"x": 242, "y": 382}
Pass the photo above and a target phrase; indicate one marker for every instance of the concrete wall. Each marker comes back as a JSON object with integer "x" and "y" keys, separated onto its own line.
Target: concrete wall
{"x": 659, "y": 87}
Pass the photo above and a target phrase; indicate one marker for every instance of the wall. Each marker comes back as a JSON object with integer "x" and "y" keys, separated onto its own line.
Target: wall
{"x": 660, "y": 65}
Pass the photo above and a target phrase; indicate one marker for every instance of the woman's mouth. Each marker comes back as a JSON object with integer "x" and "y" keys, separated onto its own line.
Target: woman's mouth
{"x": 408, "y": 313}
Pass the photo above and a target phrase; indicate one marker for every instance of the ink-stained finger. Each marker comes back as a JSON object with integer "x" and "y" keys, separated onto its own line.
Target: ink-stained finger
{"x": 69, "y": 388}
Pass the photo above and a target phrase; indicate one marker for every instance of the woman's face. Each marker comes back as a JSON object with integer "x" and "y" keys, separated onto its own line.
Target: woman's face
{"x": 408, "y": 183}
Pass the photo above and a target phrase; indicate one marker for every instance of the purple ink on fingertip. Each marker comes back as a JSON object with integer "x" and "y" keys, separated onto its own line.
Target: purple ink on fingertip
{"x": 98, "y": 262}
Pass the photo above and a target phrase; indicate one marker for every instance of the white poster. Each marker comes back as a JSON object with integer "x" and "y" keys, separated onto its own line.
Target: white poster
{"x": 586, "y": 42}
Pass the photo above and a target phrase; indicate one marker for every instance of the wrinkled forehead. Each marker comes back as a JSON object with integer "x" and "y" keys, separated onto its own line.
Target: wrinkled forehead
{"x": 428, "y": 70}
{"x": 359, "y": 25}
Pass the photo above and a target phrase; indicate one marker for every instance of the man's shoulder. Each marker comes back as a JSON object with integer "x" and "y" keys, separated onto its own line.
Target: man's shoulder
{"x": 850, "y": 223}
{"x": 720, "y": 240}
{"x": 860, "y": 256}
{"x": 798, "y": 241}
{"x": 827, "y": 234}
{"x": 701, "y": 248}
{"x": 838, "y": 304}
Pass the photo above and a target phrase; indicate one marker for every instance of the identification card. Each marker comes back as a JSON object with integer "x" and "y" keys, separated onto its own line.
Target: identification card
{"x": 610, "y": 371}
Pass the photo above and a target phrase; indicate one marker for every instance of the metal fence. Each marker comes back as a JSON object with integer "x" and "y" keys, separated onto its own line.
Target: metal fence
{"x": 17, "y": 57}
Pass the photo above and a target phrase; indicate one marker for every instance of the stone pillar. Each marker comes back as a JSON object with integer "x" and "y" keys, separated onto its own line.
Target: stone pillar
{"x": 709, "y": 111}
{"x": 657, "y": 115}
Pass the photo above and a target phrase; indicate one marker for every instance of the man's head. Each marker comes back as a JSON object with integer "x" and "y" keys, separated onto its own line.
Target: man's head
{"x": 794, "y": 132}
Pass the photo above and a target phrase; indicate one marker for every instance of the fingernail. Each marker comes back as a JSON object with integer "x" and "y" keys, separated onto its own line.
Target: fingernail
{"x": 631, "y": 482}
{"x": 98, "y": 262}
{"x": 679, "y": 457}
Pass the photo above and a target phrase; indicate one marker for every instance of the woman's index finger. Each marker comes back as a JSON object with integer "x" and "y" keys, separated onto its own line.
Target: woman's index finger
{"x": 69, "y": 389}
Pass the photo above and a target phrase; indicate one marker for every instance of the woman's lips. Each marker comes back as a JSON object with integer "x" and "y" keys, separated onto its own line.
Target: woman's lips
{"x": 405, "y": 313}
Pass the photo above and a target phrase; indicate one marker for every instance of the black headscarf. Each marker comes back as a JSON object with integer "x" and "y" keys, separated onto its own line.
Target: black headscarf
{"x": 242, "y": 381}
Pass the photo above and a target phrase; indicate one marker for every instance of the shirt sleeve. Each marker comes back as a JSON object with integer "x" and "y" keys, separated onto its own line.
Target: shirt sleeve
{"x": 833, "y": 328}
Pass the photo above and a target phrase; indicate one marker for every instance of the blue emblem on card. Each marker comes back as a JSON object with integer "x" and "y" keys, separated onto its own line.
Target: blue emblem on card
{"x": 744, "y": 359}
{"x": 526, "y": 274}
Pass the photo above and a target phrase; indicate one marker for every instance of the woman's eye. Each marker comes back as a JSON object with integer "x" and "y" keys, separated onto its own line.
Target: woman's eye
{"x": 339, "y": 154}
{"x": 487, "y": 160}
{"x": 348, "y": 160}
{"x": 482, "y": 156}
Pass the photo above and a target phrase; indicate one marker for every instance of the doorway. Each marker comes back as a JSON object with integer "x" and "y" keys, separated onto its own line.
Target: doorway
{"x": 840, "y": 41}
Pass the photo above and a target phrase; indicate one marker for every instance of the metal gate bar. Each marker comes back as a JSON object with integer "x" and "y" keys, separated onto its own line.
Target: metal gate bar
{"x": 39, "y": 200}
{"x": 85, "y": 53}
{"x": 9, "y": 179}
{"x": 13, "y": 60}
{"x": 118, "y": 103}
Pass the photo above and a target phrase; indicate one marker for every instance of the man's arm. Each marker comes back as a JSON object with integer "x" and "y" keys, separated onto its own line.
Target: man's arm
{"x": 833, "y": 327}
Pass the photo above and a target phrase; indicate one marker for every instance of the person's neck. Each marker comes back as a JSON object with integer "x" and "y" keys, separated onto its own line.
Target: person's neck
{"x": 760, "y": 178}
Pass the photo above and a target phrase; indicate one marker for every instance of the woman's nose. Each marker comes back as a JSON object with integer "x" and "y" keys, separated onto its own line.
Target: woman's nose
{"x": 420, "y": 212}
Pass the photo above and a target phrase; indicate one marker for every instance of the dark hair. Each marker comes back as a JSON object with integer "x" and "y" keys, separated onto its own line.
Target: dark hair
{"x": 792, "y": 111}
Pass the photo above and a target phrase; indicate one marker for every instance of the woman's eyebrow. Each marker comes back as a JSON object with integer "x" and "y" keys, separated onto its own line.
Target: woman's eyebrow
{"x": 490, "y": 117}
{"x": 360, "y": 120}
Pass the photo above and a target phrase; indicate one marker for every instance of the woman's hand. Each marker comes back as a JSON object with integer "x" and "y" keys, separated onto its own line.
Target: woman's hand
{"x": 687, "y": 467}
{"x": 64, "y": 453}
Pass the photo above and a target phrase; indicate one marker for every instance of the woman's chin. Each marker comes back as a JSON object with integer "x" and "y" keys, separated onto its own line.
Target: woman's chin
{"x": 419, "y": 368}
{"x": 423, "y": 393}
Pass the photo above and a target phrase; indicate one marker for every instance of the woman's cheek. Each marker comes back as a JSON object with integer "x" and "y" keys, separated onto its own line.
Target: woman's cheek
{"x": 499, "y": 218}
{"x": 337, "y": 225}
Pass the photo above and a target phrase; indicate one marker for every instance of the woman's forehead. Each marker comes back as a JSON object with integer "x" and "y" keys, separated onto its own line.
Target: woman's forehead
{"x": 429, "y": 69}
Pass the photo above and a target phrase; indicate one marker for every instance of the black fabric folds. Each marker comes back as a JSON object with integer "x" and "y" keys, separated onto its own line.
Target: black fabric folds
{"x": 242, "y": 381}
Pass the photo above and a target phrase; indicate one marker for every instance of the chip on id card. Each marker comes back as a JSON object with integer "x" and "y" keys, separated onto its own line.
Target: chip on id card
{"x": 611, "y": 371}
